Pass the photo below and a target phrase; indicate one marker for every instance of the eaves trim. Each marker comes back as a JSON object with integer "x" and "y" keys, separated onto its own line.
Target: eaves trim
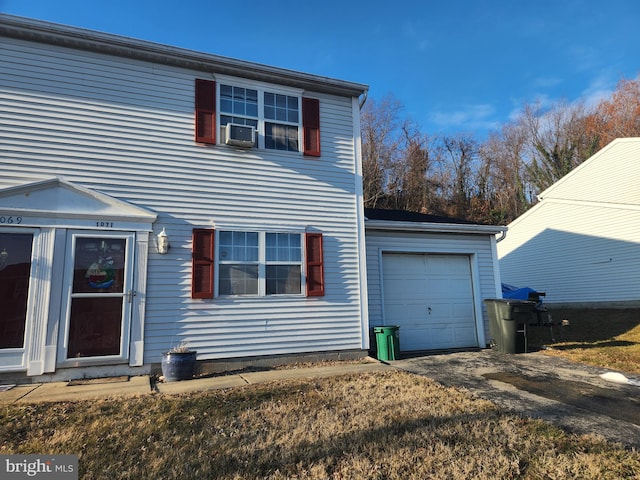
{"x": 425, "y": 227}
{"x": 89, "y": 40}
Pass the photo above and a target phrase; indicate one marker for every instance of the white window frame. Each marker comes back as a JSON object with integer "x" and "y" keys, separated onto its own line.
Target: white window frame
{"x": 262, "y": 263}
{"x": 261, "y": 88}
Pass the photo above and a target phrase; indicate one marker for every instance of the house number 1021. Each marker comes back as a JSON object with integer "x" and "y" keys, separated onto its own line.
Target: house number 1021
{"x": 11, "y": 220}
{"x": 104, "y": 224}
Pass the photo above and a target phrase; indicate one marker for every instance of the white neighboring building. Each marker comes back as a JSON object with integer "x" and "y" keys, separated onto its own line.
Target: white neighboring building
{"x": 581, "y": 243}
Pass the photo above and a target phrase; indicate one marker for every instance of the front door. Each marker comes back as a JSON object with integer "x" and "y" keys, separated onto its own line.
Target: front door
{"x": 15, "y": 271}
{"x": 97, "y": 313}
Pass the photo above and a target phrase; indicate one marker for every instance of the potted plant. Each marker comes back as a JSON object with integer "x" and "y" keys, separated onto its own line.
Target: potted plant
{"x": 178, "y": 363}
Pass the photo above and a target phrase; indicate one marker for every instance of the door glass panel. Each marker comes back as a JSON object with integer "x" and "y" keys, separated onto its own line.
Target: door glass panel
{"x": 15, "y": 267}
{"x": 97, "y": 297}
{"x": 94, "y": 328}
{"x": 99, "y": 265}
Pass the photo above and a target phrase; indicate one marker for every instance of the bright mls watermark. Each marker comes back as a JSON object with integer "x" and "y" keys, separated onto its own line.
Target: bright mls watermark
{"x": 52, "y": 467}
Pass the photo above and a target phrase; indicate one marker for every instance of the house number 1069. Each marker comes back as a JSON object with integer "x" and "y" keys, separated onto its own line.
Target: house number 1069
{"x": 11, "y": 220}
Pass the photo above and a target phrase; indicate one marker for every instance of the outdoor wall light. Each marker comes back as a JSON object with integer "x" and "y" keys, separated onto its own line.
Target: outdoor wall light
{"x": 163, "y": 242}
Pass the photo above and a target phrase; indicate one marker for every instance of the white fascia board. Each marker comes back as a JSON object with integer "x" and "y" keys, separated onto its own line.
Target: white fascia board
{"x": 434, "y": 227}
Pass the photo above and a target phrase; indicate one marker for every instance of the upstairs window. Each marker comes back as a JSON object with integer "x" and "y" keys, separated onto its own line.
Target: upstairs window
{"x": 239, "y": 106}
{"x": 275, "y": 115}
{"x": 282, "y": 122}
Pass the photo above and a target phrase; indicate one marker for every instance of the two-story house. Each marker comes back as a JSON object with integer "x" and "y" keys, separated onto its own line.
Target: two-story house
{"x": 152, "y": 195}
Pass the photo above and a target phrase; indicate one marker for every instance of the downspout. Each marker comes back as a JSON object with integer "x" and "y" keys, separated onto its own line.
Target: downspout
{"x": 363, "y": 100}
{"x": 501, "y": 237}
{"x": 362, "y": 246}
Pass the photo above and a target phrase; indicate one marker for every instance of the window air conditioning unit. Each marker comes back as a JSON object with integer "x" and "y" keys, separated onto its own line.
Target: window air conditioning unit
{"x": 240, "y": 135}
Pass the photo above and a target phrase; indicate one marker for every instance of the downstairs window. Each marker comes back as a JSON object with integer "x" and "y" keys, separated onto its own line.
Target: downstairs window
{"x": 257, "y": 263}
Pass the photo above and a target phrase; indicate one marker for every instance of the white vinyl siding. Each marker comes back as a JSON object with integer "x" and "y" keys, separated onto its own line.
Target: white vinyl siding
{"x": 126, "y": 129}
{"x": 575, "y": 254}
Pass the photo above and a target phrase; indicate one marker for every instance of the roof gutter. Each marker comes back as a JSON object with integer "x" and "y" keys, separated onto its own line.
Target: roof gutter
{"x": 109, "y": 44}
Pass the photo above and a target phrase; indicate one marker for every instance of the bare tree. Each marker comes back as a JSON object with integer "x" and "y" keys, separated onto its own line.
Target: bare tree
{"x": 502, "y": 156}
{"x": 380, "y": 145}
{"x": 458, "y": 155}
{"x": 496, "y": 180}
{"x": 410, "y": 188}
{"x": 557, "y": 141}
{"x": 418, "y": 160}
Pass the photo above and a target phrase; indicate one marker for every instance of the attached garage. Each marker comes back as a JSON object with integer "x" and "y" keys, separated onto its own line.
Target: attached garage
{"x": 428, "y": 275}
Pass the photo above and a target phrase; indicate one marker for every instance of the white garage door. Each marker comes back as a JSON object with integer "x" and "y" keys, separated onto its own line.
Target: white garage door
{"x": 431, "y": 298}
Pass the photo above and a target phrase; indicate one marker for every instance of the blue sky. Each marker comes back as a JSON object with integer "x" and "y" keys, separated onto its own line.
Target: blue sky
{"x": 456, "y": 65}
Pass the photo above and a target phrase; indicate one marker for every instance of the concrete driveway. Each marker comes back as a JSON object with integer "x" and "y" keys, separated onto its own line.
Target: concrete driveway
{"x": 568, "y": 394}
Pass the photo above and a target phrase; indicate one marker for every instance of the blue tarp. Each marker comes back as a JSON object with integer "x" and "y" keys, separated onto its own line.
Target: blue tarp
{"x": 518, "y": 293}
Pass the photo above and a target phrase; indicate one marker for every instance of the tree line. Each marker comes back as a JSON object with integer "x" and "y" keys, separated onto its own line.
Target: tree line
{"x": 491, "y": 181}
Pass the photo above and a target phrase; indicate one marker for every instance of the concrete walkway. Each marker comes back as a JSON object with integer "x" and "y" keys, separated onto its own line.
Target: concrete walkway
{"x": 141, "y": 385}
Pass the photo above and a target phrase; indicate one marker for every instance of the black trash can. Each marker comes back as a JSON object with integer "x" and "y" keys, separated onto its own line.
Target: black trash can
{"x": 508, "y": 322}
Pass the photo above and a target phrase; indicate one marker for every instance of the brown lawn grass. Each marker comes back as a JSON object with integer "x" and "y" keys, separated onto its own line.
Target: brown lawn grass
{"x": 390, "y": 425}
{"x": 605, "y": 338}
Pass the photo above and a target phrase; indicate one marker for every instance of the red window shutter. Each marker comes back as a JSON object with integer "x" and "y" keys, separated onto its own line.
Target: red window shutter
{"x": 311, "y": 126}
{"x": 315, "y": 265}
{"x": 205, "y": 111}
{"x": 202, "y": 263}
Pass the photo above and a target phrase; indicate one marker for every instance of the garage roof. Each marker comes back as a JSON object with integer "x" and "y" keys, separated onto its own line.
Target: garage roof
{"x": 402, "y": 220}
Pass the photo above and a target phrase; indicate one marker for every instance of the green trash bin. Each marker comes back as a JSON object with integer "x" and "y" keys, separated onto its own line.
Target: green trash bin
{"x": 387, "y": 342}
{"x": 508, "y": 322}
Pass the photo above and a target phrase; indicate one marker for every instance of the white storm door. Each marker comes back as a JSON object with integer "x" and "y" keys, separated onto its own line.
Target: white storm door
{"x": 97, "y": 314}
